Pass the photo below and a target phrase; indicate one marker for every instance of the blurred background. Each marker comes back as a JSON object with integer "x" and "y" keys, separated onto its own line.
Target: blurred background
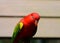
{"x": 11, "y": 11}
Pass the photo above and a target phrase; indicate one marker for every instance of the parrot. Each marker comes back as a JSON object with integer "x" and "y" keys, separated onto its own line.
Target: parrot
{"x": 26, "y": 28}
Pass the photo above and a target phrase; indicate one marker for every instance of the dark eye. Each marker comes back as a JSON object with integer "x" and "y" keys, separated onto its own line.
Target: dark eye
{"x": 33, "y": 17}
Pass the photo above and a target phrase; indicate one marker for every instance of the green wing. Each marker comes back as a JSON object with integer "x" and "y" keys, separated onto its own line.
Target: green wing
{"x": 17, "y": 29}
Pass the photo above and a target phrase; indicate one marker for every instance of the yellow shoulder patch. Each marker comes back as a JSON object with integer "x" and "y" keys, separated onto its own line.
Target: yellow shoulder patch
{"x": 21, "y": 25}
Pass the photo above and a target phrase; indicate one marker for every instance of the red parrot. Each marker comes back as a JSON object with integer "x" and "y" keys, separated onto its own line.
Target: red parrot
{"x": 26, "y": 28}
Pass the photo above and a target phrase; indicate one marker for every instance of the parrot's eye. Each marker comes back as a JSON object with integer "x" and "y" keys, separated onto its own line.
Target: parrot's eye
{"x": 33, "y": 17}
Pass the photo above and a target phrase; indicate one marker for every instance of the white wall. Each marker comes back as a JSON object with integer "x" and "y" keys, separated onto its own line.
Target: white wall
{"x": 48, "y": 27}
{"x": 21, "y": 7}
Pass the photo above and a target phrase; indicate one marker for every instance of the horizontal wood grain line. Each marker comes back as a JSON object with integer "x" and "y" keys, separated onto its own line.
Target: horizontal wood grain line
{"x": 23, "y": 16}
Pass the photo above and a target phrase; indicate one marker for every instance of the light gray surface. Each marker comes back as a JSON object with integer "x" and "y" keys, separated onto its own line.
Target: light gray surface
{"x": 24, "y": 7}
{"x": 46, "y": 27}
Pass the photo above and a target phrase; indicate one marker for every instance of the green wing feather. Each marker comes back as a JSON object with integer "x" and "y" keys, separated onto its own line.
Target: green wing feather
{"x": 17, "y": 29}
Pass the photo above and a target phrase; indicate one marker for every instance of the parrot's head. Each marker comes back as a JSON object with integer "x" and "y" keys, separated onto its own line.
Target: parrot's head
{"x": 32, "y": 18}
{"x": 36, "y": 17}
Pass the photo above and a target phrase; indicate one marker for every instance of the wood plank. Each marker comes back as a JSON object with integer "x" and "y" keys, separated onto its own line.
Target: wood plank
{"x": 21, "y": 7}
{"x": 47, "y": 27}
